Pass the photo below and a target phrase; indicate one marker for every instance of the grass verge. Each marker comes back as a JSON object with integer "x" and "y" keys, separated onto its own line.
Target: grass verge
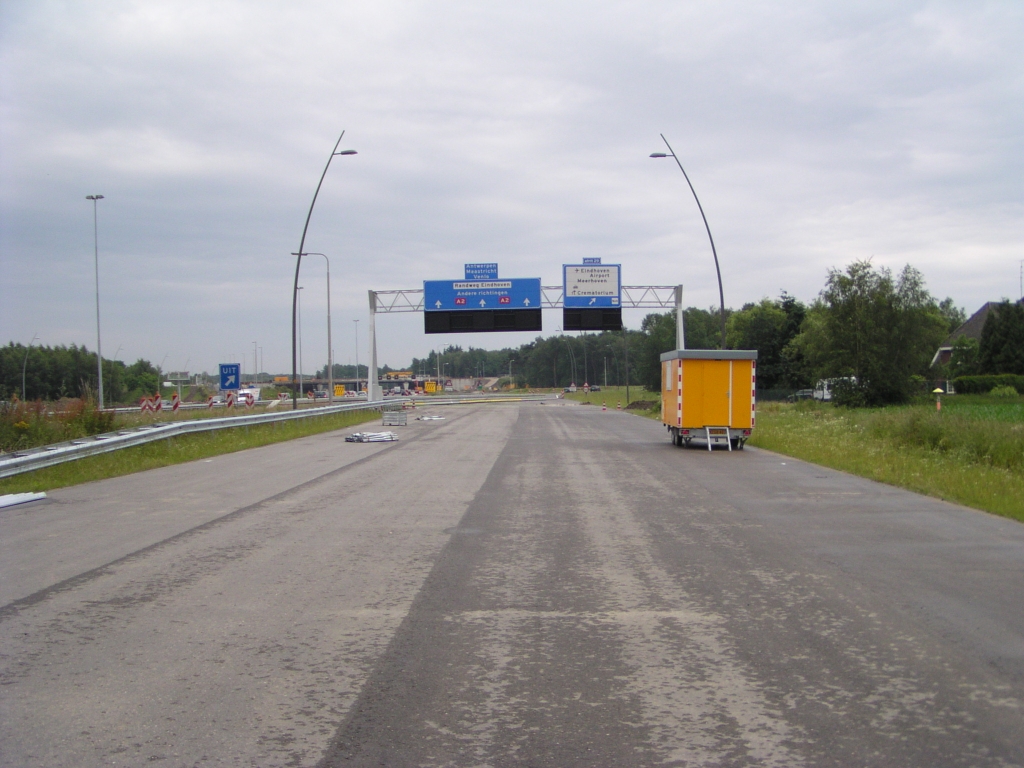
{"x": 963, "y": 457}
{"x": 178, "y": 450}
{"x": 640, "y": 400}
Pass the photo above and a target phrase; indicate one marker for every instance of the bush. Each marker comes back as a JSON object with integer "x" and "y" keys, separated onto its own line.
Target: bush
{"x": 1004, "y": 392}
{"x": 850, "y": 393}
{"x": 980, "y": 385}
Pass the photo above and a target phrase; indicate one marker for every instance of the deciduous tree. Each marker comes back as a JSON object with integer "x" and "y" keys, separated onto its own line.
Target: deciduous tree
{"x": 875, "y": 330}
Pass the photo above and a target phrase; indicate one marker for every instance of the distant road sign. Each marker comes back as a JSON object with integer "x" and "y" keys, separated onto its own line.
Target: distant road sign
{"x": 482, "y": 271}
{"x": 447, "y": 295}
{"x": 591, "y": 286}
{"x": 230, "y": 376}
{"x": 592, "y": 261}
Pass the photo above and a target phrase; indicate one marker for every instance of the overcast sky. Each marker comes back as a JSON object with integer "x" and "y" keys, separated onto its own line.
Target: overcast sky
{"x": 814, "y": 133}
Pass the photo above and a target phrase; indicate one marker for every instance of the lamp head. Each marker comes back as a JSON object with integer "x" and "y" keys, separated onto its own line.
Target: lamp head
{"x": 94, "y": 197}
{"x": 347, "y": 152}
{"x": 658, "y": 154}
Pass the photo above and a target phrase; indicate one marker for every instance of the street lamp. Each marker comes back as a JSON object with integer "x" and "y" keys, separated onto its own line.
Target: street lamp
{"x": 299, "y": 305}
{"x": 512, "y": 383}
{"x": 356, "y": 321}
{"x": 721, "y": 294}
{"x": 298, "y": 258}
{"x": 330, "y": 358}
{"x": 24, "y": 365}
{"x": 96, "y": 255}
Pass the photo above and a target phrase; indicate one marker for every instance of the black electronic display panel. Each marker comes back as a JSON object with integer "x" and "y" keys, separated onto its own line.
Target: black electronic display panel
{"x": 603, "y": 319}
{"x": 482, "y": 321}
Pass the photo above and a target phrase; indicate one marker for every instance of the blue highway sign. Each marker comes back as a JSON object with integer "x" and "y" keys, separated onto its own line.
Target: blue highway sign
{"x": 591, "y": 285}
{"x": 482, "y": 271}
{"x": 448, "y": 295}
{"x": 230, "y": 376}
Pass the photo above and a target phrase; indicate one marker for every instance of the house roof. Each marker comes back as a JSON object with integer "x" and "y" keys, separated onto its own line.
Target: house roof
{"x": 972, "y": 327}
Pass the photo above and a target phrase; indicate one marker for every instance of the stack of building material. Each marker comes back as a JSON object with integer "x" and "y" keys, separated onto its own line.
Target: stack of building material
{"x": 371, "y": 437}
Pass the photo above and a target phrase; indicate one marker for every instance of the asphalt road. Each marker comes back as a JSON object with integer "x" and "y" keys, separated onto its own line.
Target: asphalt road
{"x": 534, "y": 584}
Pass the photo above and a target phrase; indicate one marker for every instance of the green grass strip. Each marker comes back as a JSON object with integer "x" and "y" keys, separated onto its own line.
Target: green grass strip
{"x": 960, "y": 457}
{"x": 178, "y": 450}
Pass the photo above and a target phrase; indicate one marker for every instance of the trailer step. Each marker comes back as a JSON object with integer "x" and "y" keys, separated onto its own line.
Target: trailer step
{"x": 717, "y": 433}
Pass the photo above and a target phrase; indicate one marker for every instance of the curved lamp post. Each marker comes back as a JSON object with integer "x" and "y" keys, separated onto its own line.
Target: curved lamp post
{"x": 721, "y": 294}
{"x": 96, "y": 254}
{"x": 330, "y": 357}
{"x": 298, "y": 261}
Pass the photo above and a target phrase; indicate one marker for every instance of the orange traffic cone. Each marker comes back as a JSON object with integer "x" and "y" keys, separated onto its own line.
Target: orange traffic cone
{"x": 620, "y": 405}
{"x": 604, "y": 406}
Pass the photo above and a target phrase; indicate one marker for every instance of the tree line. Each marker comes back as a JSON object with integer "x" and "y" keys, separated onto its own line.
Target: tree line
{"x": 52, "y": 373}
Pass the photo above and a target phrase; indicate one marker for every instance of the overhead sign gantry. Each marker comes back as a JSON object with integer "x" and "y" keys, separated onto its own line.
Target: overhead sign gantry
{"x": 456, "y": 313}
{"x": 481, "y": 305}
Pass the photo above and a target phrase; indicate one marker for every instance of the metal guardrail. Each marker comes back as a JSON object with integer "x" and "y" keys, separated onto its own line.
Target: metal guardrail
{"x": 58, "y": 453}
{"x": 49, "y": 455}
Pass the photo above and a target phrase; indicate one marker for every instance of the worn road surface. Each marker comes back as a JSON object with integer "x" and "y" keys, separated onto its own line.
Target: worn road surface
{"x": 533, "y": 584}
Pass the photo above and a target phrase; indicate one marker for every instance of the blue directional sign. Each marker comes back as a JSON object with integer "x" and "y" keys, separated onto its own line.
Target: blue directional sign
{"x": 482, "y": 271}
{"x": 592, "y": 285}
{"x": 230, "y": 376}
{"x": 448, "y": 295}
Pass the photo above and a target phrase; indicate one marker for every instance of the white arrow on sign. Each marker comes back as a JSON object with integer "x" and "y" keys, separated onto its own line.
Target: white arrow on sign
{"x": 437, "y": 303}
{"x": 230, "y": 379}
{"x": 526, "y": 302}
{"x": 483, "y": 303}
{"x": 594, "y": 300}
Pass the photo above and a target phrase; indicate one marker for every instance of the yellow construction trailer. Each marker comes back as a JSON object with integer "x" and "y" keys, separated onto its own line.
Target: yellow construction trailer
{"x": 708, "y": 394}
